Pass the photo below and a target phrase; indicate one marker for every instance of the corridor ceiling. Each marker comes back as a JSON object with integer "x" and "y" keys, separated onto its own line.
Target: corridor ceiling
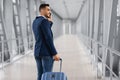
{"x": 67, "y": 9}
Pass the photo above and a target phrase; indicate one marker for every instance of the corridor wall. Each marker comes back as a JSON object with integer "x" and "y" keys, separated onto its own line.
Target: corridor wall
{"x": 98, "y": 28}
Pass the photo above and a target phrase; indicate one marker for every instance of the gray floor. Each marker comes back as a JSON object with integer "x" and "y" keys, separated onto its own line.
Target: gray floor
{"x": 76, "y": 63}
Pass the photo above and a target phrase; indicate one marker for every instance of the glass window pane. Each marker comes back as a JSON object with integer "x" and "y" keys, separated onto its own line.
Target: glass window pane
{"x": 16, "y": 19}
{"x": 28, "y": 21}
{"x": 0, "y": 18}
{"x": 18, "y": 1}
{"x": 15, "y": 9}
{"x": 0, "y": 26}
{"x": 27, "y": 12}
{"x": 14, "y": 1}
{"x": 18, "y": 29}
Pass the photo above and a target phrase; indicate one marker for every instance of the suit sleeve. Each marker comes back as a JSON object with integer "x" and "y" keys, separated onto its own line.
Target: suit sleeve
{"x": 47, "y": 36}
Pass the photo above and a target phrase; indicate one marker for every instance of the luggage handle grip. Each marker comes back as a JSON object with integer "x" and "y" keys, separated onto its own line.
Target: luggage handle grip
{"x": 60, "y": 64}
{"x": 60, "y": 59}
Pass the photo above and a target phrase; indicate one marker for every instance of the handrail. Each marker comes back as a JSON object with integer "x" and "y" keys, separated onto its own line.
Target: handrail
{"x": 103, "y": 61}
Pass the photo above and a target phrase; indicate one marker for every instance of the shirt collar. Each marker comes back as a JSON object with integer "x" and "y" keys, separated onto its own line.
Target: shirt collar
{"x": 43, "y": 16}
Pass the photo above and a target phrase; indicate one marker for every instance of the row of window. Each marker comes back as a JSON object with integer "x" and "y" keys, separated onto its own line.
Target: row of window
{"x": 5, "y": 50}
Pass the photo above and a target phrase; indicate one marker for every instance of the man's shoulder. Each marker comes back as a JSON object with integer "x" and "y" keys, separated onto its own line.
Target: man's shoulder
{"x": 39, "y": 18}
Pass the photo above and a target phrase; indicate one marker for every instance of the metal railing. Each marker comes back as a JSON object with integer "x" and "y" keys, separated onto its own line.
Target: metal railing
{"x": 11, "y": 53}
{"x": 103, "y": 59}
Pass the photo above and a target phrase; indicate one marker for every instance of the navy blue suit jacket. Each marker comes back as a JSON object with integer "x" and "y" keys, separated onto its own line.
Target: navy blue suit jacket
{"x": 44, "y": 45}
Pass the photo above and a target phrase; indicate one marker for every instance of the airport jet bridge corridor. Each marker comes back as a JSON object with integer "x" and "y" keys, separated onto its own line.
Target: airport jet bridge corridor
{"x": 86, "y": 34}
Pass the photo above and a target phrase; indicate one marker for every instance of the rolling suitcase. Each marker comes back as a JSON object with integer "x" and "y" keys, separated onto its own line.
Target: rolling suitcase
{"x": 54, "y": 75}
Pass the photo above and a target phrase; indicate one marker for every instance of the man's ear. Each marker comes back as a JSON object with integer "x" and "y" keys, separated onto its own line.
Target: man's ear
{"x": 41, "y": 10}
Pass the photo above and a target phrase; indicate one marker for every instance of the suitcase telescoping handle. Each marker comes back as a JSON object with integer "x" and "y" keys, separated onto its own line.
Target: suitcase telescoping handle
{"x": 60, "y": 64}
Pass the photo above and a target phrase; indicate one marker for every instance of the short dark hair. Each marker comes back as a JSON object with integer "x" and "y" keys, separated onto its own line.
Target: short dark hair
{"x": 43, "y": 6}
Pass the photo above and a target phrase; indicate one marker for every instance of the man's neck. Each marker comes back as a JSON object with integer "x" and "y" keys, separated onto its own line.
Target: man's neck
{"x": 42, "y": 15}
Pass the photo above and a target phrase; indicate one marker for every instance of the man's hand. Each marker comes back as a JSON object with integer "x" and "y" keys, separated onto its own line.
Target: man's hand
{"x": 56, "y": 57}
{"x": 50, "y": 18}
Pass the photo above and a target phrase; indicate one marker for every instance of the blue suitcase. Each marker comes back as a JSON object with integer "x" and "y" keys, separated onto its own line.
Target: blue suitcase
{"x": 54, "y": 75}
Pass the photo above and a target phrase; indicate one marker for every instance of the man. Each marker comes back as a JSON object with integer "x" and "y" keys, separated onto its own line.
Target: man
{"x": 45, "y": 52}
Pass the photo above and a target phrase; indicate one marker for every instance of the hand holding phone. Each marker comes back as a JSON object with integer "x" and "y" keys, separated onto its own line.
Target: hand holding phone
{"x": 50, "y": 17}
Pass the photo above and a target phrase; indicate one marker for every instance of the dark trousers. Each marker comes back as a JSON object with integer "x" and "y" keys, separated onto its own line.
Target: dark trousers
{"x": 44, "y": 64}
